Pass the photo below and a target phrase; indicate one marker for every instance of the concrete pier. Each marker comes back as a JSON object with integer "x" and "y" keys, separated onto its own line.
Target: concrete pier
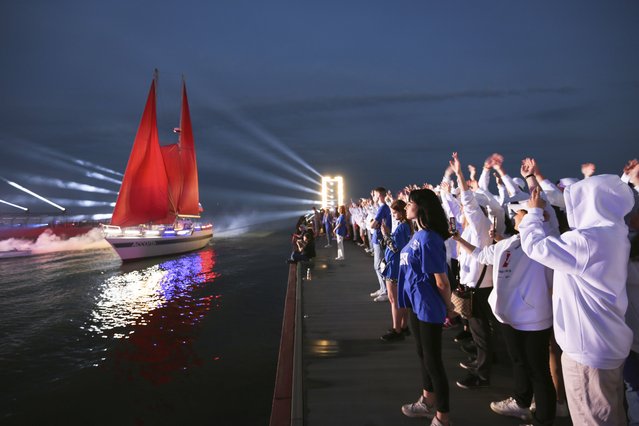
{"x": 349, "y": 376}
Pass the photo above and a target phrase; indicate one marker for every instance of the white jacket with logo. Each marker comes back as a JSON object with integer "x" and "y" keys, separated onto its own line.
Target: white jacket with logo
{"x": 522, "y": 288}
{"x": 590, "y": 265}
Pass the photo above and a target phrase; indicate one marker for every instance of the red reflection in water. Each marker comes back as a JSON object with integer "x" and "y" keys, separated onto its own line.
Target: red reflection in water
{"x": 161, "y": 344}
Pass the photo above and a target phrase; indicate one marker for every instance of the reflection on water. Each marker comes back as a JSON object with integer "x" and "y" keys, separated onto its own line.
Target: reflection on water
{"x": 156, "y": 309}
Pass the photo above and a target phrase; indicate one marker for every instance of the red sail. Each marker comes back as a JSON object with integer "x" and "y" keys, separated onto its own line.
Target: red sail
{"x": 189, "y": 198}
{"x": 173, "y": 167}
{"x": 144, "y": 195}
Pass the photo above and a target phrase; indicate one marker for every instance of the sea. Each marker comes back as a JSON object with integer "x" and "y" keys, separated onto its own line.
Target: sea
{"x": 191, "y": 339}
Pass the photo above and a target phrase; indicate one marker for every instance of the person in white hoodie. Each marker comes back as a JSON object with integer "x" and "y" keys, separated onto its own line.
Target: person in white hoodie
{"x": 589, "y": 292}
{"x": 521, "y": 302}
{"x": 479, "y": 278}
{"x": 631, "y": 367}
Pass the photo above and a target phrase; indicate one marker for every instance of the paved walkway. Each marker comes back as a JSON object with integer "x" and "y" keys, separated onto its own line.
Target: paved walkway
{"x": 351, "y": 377}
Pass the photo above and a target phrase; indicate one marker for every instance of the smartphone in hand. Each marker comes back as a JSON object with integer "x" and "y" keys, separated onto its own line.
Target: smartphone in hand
{"x": 452, "y": 225}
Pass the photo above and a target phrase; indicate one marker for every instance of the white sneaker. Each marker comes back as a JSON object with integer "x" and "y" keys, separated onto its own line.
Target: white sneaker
{"x": 509, "y": 407}
{"x": 327, "y": 246}
{"x": 381, "y": 298}
{"x": 418, "y": 409}
{"x": 376, "y": 293}
{"x": 339, "y": 258}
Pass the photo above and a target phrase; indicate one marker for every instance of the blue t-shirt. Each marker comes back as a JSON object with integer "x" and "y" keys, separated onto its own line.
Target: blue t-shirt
{"x": 400, "y": 237}
{"x": 423, "y": 256}
{"x": 340, "y": 226}
{"x": 383, "y": 215}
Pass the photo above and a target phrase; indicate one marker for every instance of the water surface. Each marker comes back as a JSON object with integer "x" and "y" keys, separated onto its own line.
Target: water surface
{"x": 85, "y": 339}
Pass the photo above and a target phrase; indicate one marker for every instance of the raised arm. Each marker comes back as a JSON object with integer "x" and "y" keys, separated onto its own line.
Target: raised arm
{"x": 554, "y": 195}
{"x": 527, "y": 171}
{"x": 558, "y": 253}
{"x": 455, "y": 164}
{"x": 484, "y": 177}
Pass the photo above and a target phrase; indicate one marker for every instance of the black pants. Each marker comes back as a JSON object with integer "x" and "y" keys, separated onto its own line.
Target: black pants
{"x": 428, "y": 337}
{"x": 481, "y": 329}
{"x": 528, "y": 351}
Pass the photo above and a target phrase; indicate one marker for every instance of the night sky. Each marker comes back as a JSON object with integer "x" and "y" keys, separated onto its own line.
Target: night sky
{"x": 380, "y": 92}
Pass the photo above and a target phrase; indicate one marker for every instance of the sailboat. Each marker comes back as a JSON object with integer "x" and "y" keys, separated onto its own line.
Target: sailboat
{"x": 159, "y": 197}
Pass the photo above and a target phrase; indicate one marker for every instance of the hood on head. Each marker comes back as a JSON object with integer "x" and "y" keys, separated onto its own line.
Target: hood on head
{"x": 601, "y": 200}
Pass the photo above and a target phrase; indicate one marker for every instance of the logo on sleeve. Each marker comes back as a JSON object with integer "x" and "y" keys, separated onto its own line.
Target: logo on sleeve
{"x": 403, "y": 259}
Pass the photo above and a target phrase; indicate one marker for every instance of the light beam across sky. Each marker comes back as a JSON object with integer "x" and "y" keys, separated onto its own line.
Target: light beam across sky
{"x": 40, "y": 197}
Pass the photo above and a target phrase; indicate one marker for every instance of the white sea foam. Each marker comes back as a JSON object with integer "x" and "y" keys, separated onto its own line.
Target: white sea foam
{"x": 48, "y": 242}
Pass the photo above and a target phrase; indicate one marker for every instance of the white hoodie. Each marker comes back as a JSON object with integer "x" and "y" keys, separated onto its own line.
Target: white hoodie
{"x": 522, "y": 290}
{"x": 476, "y": 233}
{"x": 590, "y": 265}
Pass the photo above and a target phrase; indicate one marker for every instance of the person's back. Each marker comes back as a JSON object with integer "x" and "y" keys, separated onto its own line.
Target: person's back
{"x": 590, "y": 271}
{"x": 589, "y": 291}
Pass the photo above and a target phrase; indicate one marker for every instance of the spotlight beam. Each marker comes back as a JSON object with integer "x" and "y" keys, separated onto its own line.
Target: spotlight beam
{"x": 266, "y": 198}
{"x": 14, "y": 205}
{"x": 261, "y": 134}
{"x": 100, "y": 176}
{"x": 244, "y": 171}
{"x": 40, "y": 197}
{"x": 89, "y": 164}
{"x": 277, "y": 144}
{"x": 276, "y": 161}
{"x": 58, "y": 183}
{"x": 85, "y": 203}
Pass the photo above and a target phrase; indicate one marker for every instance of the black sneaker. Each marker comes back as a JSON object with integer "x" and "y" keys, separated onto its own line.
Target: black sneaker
{"x": 469, "y": 365}
{"x": 472, "y": 381}
{"x": 392, "y": 336}
{"x": 462, "y": 336}
{"x": 406, "y": 331}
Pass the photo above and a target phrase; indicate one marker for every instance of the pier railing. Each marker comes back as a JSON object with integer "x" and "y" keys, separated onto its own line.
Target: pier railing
{"x": 288, "y": 404}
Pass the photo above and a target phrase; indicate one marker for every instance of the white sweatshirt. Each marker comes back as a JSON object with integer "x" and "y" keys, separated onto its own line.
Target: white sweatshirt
{"x": 632, "y": 314}
{"x": 476, "y": 233}
{"x": 590, "y": 265}
{"x": 522, "y": 293}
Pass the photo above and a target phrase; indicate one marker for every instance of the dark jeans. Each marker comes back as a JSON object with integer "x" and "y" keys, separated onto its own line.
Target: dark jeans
{"x": 480, "y": 328}
{"x": 428, "y": 338}
{"x": 528, "y": 351}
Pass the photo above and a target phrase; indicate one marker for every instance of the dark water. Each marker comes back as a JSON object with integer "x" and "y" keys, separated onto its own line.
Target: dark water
{"x": 190, "y": 339}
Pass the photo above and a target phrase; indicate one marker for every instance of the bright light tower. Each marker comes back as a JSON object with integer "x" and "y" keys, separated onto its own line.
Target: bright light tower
{"x": 332, "y": 191}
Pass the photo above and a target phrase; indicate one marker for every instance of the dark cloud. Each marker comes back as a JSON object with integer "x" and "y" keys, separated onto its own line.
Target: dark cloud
{"x": 563, "y": 114}
{"x": 338, "y": 103}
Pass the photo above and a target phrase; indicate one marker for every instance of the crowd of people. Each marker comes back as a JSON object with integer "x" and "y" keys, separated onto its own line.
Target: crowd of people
{"x": 552, "y": 267}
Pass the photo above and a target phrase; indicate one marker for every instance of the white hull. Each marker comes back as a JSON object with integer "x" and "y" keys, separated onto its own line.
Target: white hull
{"x": 139, "y": 247}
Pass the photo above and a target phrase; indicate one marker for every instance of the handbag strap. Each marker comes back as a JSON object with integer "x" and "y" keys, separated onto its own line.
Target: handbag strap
{"x": 481, "y": 277}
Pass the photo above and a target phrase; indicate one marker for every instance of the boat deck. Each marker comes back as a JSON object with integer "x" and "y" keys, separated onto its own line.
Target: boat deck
{"x": 351, "y": 377}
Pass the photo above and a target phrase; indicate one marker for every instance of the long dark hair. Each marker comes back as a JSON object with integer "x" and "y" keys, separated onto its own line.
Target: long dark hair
{"x": 430, "y": 213}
